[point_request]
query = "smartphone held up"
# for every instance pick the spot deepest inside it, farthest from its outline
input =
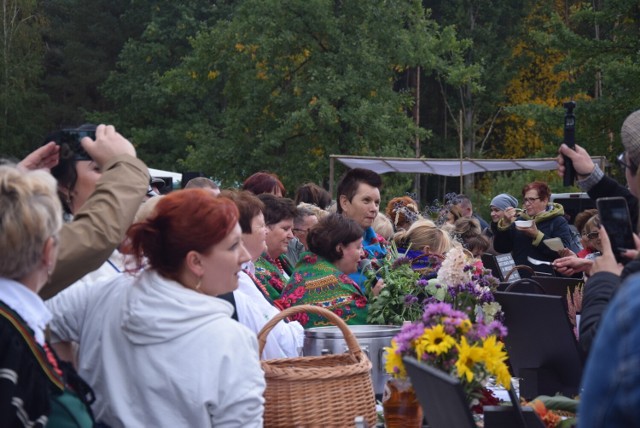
(615, 217)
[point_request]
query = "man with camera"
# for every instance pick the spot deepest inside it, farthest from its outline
(100, 222)
(606, 273)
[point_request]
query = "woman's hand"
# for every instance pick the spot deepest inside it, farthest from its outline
(107, 145)
(378, 287)
(509, 215)
(531, 231)
(631, 253)
(607, 261)
(45, 157)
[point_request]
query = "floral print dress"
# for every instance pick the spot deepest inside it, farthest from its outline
(317, 282)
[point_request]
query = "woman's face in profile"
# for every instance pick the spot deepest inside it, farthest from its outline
(88, 173)
(351, 254)
(223, 263)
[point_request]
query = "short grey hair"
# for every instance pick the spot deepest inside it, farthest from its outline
(31, 214)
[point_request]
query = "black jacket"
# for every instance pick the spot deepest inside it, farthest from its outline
(598, 292)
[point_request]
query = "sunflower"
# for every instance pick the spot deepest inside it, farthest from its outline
(393, 364)
(495, 357)
(468, 356)
(434, 341)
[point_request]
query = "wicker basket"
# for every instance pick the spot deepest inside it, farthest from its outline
(329, 390)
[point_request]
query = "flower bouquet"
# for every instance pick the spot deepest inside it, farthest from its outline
(412, 282)
(400, 299)
(447, 339)
(467, 285)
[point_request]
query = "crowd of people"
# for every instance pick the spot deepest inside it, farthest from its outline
(122, 307)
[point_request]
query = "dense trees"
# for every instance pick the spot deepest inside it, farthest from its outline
(299, 80)
(230, 87)
(21, 51)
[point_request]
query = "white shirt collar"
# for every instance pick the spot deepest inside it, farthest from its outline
(27, 304)
(249, 266)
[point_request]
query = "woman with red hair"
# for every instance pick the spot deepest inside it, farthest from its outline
(528, 241)
(264, 182)
(159, 348)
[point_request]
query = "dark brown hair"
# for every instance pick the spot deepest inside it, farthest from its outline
(351, 181)
(330, 231)
(311, 193)
(248, 204)
(277, 209)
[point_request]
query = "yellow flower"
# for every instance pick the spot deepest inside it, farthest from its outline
(503, 377)
(434, 341)
(393, 363)
(213, 74)
(495, 356)
(465, 325)
(468, 357)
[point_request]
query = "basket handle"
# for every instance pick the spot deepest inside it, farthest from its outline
(349, 337)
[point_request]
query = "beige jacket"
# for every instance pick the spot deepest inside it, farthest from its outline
(100, 225)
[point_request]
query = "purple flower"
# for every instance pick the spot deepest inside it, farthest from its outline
(434, 309)
(400, 261)
(496, 327)
(408, 333)
(410, 299)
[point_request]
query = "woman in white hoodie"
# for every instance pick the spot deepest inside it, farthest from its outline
(159, 348)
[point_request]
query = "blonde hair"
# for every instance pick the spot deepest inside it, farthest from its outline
(316, 210)
(31, 213)
(382, 226)
(424, 233)
(146, 209)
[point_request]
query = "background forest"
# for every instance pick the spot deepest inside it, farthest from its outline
(232, 87)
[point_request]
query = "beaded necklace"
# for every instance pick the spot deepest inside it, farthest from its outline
(263, 289)
(277, 263)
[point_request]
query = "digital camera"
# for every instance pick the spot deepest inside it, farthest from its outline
(71, 137)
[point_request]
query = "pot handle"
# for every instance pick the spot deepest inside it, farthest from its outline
(349, 337)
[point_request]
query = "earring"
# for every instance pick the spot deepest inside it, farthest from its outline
(198, 285)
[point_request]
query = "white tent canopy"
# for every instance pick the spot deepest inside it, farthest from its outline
(160, 173)
(447, 167)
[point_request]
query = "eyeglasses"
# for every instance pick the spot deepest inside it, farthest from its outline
(529, 200)
(300, 230)
(621, 163)
(593, 235)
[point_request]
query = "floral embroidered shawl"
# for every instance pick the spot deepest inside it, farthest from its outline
(269, 274)
(317, 282)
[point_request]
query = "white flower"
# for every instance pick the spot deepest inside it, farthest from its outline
(452, 270)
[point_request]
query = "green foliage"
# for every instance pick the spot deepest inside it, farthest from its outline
(493, 27)
(286, 83)
(602, 59)
(389, 307)
(160, 122)
(20, 71)
(83, 41)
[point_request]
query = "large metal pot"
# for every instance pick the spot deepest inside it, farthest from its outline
(371, 338)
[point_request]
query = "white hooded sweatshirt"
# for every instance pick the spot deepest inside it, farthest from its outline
(159, 354)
